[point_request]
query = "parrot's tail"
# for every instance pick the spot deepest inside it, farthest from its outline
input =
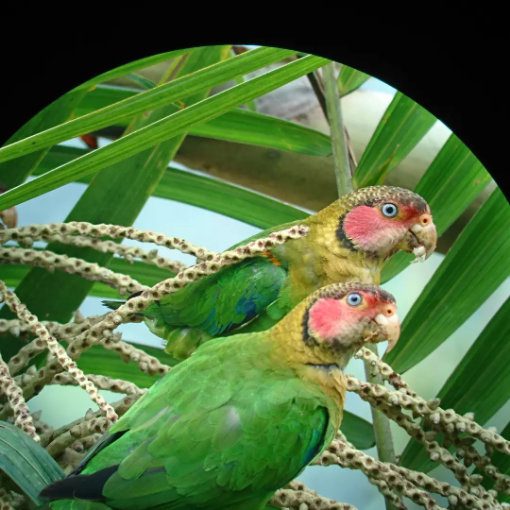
(112, 305)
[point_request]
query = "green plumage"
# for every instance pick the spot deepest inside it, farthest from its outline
(216, 435)
(69, 504)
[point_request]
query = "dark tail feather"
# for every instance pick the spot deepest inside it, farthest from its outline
(79, 486)
(112, 305)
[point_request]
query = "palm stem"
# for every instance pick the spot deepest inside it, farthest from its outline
(382, 432)
(338, 142)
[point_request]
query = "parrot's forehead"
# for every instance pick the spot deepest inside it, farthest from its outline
(374, 194)
(339, 290)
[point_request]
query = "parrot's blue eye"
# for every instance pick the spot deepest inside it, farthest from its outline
(389, 210)
(354, 299)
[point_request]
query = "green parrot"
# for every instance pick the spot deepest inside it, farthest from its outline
(241, 417)
(347, 241)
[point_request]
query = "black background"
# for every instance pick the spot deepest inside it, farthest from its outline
(454, 65)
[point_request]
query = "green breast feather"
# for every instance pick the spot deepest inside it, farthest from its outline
(212, 434)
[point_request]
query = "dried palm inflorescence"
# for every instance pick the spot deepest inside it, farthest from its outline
(69, 443)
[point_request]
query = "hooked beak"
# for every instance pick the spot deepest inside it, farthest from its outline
(421, 238)
(390, 325)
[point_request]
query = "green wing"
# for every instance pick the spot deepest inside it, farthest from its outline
(223, 300)
(207, 434)
(220, 303)
(215, 305)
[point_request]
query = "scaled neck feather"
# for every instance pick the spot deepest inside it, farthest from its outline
(320, 258)
(309, 362)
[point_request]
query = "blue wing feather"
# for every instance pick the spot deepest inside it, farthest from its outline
(223, 301)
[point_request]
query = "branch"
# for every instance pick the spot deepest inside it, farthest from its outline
(121, 407)
(428, 409)
(405, 481)
(298, 497)
(89, 270)
(103, 383)
(128, 252)
(22, 417)
(36, 346)
(103, 230)
(10, 500)
(12, 301)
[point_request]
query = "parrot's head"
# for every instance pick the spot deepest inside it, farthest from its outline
(340, 318)
(381, 220)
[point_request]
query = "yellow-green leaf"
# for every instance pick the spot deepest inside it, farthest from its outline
(115, 195)
(149, 100)
(206, 192)
(12, 172)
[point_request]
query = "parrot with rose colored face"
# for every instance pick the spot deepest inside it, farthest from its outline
(241, 417)
(347, 241)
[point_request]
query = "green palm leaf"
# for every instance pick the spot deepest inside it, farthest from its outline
(163, 129)
(450, 184)
(474, 267)
(350, 79)
(402, 126)
(480, 383)
(152, 99)
(115, 195)
(26, 462)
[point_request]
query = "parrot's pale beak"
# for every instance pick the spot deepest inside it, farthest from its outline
(391, 326)
(421, 238)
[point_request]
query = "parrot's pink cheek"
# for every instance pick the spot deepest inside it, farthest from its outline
(368, 229)
(325, 317)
